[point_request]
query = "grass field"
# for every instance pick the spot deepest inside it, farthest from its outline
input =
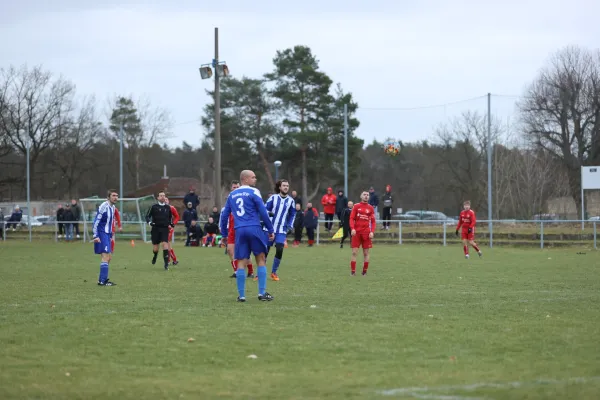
(424, 324)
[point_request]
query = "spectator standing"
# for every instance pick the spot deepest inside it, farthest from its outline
(340, 205)
(76, 211)
(193, 198)
(311, 222)
(298, 225)
(189, 215)
(216, 215)
(297, 199)
(68, 218)
(374, 200)
(328, 201)
(59, 220)
(388, 202)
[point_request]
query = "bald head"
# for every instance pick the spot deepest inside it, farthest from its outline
(248, 178)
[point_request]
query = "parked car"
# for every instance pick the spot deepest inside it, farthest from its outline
(426, 217)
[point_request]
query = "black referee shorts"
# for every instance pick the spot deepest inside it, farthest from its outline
(159, 235)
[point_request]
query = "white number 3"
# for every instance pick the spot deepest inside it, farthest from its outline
(240, 204)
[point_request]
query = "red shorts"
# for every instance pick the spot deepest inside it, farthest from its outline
(465, 235)
(361, 239)
(171, 233)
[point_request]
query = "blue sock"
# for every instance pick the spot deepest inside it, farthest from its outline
(103, 271)
(276, 262)
(261, 271)
(240, 276)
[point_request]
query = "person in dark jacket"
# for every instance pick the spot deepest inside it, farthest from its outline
(388, 203)
(59, 220)
(346, 223)
(210, 229)
(1, 224)
(373, 200)
(76, 216)
(311, 222)
(189, 215)
(216, 215)
(297, 199)
(193, 198)
(15, 218)
(195, 233)
(68, 218)
(298, 225)
(340, 205)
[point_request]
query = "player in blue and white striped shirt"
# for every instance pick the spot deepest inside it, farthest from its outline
(282, 211)
(103, 231)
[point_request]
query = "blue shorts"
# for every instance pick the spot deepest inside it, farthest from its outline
(279, 238)
(249, 239)
(104, 246)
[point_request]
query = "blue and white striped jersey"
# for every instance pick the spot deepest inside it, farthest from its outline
(283, 210)
(103, 223)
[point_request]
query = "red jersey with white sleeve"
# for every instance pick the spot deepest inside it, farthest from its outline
(116, 222)
(174, 221)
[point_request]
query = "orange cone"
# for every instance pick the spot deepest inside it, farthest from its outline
(132, 243)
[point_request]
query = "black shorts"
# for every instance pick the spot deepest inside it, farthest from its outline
(159, 235)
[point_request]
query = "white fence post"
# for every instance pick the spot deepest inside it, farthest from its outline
(399, 232)
(444, 234)
(595, 235)
(318, 231)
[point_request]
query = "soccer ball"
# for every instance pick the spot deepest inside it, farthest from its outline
(391, 148)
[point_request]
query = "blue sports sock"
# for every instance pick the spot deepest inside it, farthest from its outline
(103, 271)
(261, 271)
(276, 262)
(240, 276)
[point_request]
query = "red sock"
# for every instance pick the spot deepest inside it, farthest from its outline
(172, 254)
(234, 265)
(466, 250)
(365, 266)
(476, 247)
(353, 266)
(250, 268)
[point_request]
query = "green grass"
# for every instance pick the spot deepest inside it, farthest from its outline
(424, 318)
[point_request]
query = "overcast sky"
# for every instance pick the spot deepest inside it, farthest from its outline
(390, 55)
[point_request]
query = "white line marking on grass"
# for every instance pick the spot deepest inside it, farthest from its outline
(437, 392)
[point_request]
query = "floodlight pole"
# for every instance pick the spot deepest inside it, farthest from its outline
(217, 185)
(121, 194)
(29, 216)
(346, 150)
(489, 165)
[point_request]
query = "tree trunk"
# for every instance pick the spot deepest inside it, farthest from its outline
(304, 177)
(575, 186)
(137, 169)
(266, 166)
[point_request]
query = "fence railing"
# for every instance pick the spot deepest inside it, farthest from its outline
(538, 233)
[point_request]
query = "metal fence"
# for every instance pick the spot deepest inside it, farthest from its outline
(533, 233)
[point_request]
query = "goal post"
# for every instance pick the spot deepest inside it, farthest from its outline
(590, 180)
(132, 212)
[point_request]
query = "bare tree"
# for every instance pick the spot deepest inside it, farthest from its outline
(74, 143)
(33, 106)
(464, 154)
(561, 112)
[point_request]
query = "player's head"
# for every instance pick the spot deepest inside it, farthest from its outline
(112, 196)
(235, 184)
(282, 187)
(350, 204)
(248, 178)
(467, 205)
(161, 196)
(364, 197)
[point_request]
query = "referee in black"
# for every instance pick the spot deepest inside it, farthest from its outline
(160, 219)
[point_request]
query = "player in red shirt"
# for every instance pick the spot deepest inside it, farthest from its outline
(231, 241)
(362, 229)
(116, 222)
(174, 220)
(467, 221)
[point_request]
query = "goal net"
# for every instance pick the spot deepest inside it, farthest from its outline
(132, 212)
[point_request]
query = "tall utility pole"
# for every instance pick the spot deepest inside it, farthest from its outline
(489, 160)
(29, 214)
(121, 194)
(346, 150)
(217, 185)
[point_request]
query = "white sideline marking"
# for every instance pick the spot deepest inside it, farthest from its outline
(429, 392)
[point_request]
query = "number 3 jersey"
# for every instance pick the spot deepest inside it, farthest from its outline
(248, 209)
